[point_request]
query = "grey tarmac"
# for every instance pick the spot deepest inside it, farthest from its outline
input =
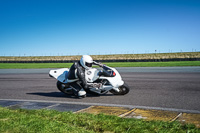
(175, 88)
(120, 69)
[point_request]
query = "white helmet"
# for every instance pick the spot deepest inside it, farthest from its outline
(86, 61)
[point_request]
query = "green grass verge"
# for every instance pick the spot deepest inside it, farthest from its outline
(111, 64)
(33, 65)
(154, 64)
(47, 121)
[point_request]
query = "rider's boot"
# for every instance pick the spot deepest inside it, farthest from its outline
(82, 93)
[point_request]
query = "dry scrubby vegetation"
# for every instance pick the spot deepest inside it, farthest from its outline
(104, 57)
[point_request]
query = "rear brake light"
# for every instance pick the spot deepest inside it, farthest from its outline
(114, 73)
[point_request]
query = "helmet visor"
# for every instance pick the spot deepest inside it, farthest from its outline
(88, 64)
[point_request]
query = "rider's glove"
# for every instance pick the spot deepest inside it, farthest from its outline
(98, 63)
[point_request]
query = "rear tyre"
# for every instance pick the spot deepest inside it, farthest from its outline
(124, 89)
(63, 88)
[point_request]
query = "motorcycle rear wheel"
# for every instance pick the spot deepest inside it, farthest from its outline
(62, 87)
(124, 89)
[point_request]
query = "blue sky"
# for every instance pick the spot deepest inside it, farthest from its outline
(71, 27)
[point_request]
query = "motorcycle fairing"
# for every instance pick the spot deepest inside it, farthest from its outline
(91, 75)
(116, 81)
(60, 75)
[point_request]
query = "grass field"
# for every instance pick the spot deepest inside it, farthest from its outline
(48, 121)
(111, 64)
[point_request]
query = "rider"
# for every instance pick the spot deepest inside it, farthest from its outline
(77, 70)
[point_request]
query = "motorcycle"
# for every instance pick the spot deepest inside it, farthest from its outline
(102, 81)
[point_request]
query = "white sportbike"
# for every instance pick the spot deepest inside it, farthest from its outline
(102, 81)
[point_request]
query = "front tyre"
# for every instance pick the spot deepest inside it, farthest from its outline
(63, 88)
(124, 89)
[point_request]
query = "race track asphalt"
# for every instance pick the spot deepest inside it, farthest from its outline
(169, 87)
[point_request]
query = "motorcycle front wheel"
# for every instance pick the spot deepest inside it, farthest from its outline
(63, 88)
(124, 89)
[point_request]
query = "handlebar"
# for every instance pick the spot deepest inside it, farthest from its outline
(98, 64)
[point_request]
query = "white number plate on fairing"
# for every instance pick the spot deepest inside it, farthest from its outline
(91, 75)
